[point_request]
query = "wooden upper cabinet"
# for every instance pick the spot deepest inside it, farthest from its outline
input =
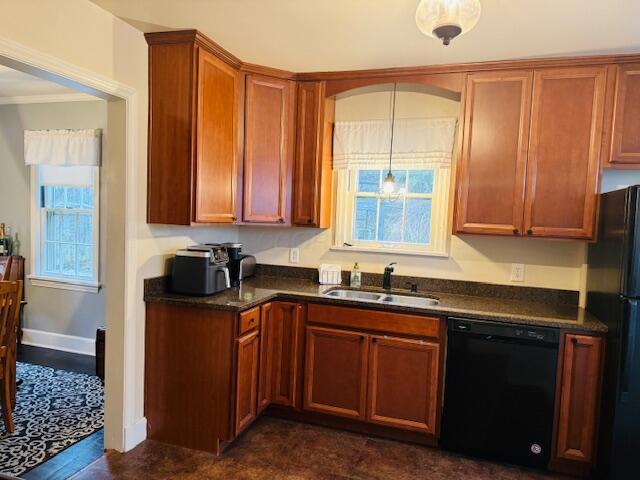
(193, 131)
(493, 164)
(336, 372)
(313, 162)
(403, 383)
(284, 321)
(217, 148)
(579, 385)
(268, 149)
(625, 146)
(564, 152)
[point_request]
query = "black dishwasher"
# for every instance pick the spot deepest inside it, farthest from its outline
(500, 391)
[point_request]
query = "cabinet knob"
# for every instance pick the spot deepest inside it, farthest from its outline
(374, 340)
(362, 338)
(280, 220)
(529, 232)
(516, 231)
(309, 220)
(574, 340)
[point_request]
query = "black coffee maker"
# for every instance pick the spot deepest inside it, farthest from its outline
(241, 266)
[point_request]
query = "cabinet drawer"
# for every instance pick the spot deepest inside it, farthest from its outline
(362, 319)
(249, 320)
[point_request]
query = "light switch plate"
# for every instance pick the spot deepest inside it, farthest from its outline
(294, 255)
(517, 272)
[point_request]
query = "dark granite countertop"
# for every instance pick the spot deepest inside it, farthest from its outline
(261, 289)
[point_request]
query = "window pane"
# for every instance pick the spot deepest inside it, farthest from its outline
(51, 264)
(67, 259)
(68, 227)
(368, 181)
(51, 226)
(390, 227)
(59, 197)
(85, 228)
(74, 197)
(48, 196)
(85, 261)
(364, 223)
(87, 198)
(421, 181)
(417, 227)
(401, 178)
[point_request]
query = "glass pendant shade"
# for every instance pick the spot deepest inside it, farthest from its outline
(447, 19)
(389, 184)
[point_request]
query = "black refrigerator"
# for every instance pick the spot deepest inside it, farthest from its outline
(613, 295)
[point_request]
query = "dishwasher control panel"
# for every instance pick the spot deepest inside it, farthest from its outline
(504, 330)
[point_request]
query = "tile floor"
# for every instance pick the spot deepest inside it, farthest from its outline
(277, 449)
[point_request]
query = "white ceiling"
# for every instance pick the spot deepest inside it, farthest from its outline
(317, 35)
(15, 84)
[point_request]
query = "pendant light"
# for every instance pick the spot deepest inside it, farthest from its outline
(389, 188)
(447, 19)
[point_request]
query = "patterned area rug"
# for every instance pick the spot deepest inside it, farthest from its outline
(54, 410)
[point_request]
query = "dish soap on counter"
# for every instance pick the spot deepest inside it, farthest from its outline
(356, 276)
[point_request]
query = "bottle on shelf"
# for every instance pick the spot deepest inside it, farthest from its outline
(5, 241)
(15, 247)
(356, 276)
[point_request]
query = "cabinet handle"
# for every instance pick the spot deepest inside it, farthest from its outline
(516, 231)
(280, 220)
(234, 218)
(374, 340)
(362, 338)
(310, 220)
(529, 232)
(574, 340)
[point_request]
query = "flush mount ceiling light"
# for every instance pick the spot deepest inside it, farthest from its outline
(447, 19)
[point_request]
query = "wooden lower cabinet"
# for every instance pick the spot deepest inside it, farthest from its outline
(247, 380)
(336, 372)
(265, 372)
(284, 320)
(403, 383)
(579, 385)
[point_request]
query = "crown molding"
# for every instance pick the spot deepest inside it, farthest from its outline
(52, 98)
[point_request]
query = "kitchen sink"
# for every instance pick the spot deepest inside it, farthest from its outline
(355, 295)
(420, 302)
(383, 298)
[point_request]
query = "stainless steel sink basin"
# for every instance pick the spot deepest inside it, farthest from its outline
(420, 302)
(354, 295)
(382, 298)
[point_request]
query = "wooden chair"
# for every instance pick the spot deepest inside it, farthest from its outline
(10, 295)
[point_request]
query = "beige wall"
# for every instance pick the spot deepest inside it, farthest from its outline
(48, 309)
(552, 264)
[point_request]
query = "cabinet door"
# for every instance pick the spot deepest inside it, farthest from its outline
(313, 170)
(579, 384)
(564, 152)
(217, 149)
(625, 148)
(269, 149)
(266, 359)
(403, 383)
(284, 318)
(247, 380)
(494, 154)
(336, 372)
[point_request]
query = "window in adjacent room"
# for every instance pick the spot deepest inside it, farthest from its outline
(65, 226)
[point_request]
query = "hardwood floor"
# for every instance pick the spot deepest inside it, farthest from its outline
(275, 449)
(72, 362)
(78, 456)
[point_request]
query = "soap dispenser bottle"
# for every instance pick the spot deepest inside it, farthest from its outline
(356, 276)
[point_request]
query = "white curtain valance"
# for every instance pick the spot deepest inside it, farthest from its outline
(66, 148)
(417, 142)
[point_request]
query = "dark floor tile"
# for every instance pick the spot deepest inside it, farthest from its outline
(276, 449)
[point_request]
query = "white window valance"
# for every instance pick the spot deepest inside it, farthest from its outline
(66, 148)
(417, 142)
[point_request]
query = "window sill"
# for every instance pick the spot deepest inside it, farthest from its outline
(395, 251)
(64, 284)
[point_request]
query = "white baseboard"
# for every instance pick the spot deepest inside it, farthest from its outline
(57, 341)
(135, 434)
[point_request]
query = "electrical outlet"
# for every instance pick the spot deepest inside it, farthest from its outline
(294, 255)
(517, 272)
